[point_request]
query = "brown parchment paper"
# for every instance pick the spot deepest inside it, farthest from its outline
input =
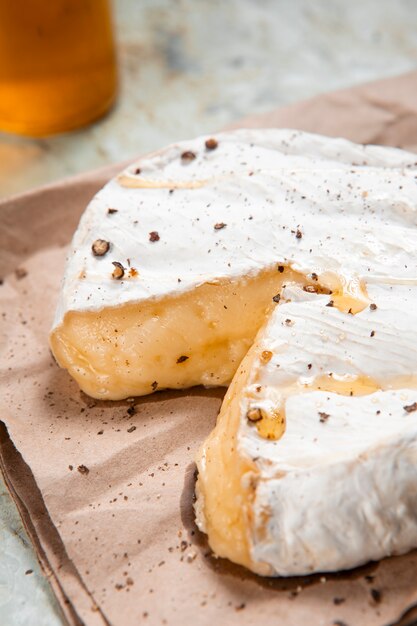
(106, 495)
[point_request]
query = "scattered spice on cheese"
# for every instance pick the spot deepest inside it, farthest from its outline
(211, 144)
(100, 247)
(119, 270)
(154, 236)
(254, 415)
(188, 156)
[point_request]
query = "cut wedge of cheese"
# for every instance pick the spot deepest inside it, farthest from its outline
(289, 262)
(312, 465)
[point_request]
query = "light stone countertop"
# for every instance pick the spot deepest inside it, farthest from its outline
(189, 67)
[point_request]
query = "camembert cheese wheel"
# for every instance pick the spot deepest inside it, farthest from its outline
(288, 262)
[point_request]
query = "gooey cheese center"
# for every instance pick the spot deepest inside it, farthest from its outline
(178, 342)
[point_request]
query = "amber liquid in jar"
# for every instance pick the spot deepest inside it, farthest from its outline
(57, 64)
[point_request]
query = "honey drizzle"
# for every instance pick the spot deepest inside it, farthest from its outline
(142, 183)
(272, 424)
(351, 297)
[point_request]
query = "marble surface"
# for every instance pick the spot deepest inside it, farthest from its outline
(189, 67)
(25, 595)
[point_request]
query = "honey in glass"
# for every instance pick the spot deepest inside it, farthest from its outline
(57, 64)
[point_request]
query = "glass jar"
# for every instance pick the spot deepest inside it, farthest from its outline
(57, 64)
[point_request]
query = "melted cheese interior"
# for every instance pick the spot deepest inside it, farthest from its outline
(197, 337)
(180, 341)
(224, 512)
